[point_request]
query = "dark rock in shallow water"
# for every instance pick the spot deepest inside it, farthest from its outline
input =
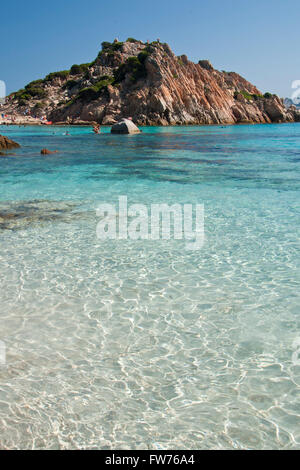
(6, 143)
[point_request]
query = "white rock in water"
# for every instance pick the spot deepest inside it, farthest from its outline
(125, 126)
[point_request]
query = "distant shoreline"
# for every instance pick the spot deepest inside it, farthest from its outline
(66, 124)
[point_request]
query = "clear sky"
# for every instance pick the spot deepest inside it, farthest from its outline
(257, 38)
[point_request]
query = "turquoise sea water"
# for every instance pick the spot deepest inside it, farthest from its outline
(139, 344)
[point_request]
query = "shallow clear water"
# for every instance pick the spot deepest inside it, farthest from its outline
(145, 345)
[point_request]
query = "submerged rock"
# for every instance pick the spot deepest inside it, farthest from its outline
(125, 126)
(6, 143)
(20, 215)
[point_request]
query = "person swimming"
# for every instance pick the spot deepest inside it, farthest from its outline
(96, 129)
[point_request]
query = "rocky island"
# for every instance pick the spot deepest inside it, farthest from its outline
(7, 144)
(150, 84)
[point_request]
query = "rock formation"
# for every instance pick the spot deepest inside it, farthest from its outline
(149, 83)
(125, 126)
(6, 144)
(48, 152)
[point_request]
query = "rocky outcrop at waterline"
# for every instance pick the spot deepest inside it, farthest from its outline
(125, 126)
(7, 144)
(153, 86)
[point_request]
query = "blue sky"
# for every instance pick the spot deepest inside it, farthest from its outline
(258, 39)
